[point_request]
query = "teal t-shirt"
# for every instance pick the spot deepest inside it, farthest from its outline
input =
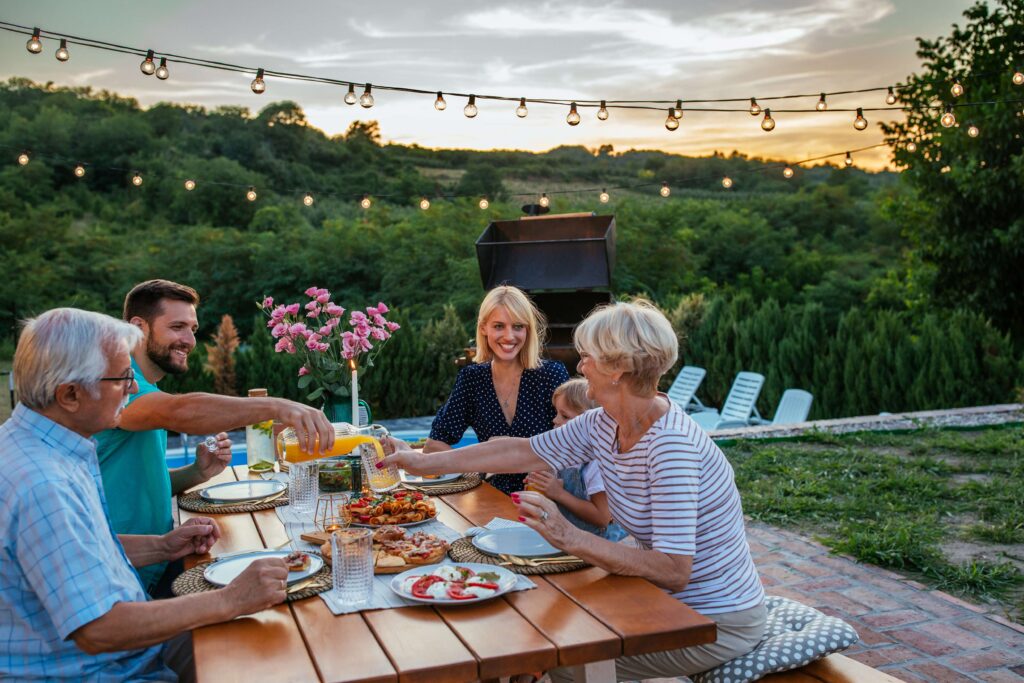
(136, 481)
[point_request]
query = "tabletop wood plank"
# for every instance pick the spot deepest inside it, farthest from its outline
(421, 646)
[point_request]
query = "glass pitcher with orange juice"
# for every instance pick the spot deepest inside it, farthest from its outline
(348, 438)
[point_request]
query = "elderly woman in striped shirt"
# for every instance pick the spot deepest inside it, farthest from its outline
(668, 485)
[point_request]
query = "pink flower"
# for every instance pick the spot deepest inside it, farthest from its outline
(334, 310)
(379, 334)
(357, 317)
(267, 302)
(278, 313)
(322, 346)
(333, 322)
(284, 344)
(303, 371)
(299, 329)
(372, 311)
(324, 331)
(313, 344)
(362, 330)
(292, 309)
(280, 329)
(379, 320)
(311, 292)
(393, 326)
(382, 307)
(323, 296)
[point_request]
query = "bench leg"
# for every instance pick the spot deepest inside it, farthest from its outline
(594, 672)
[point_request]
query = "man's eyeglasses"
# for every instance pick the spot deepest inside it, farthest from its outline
(127, 377)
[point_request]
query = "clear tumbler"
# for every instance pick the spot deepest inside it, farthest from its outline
(303, 486)
(352, 560)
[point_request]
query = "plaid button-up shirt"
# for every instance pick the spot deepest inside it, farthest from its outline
(61, 565)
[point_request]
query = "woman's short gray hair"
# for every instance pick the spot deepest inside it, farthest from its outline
(66, 345)
(634, 338)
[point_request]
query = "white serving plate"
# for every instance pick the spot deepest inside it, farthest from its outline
(423, 481)
(506, 582)
(521, 541)
(242, 491)
(224, 571)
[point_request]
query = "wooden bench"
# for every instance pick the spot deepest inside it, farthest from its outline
(833, 669)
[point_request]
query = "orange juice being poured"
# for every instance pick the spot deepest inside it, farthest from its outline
(348, 438)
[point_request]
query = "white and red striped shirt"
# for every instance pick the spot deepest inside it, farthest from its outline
(674, 491)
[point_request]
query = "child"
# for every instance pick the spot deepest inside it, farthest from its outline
(578, 491)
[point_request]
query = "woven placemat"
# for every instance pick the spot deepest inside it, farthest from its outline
(463, 550)
(193, 503)
(469, 481)
(193, 581)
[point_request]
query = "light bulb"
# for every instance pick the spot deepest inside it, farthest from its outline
(544, 201)
(957, 90)
(787, 172)
(973, 131)
(365, 202)
(948, 119)
(147, 66)
(521, 110)
(484, 203)
(848, 160)
(602, 112)
(34, 45)
(573, 119)
(424, 203)
(890, 97)
(470, 109)
(308, 199)
(665, 191)
(137, 179)
(161, 71)
(258, 85)
(860, 123)
(755, 108)
(251, 194)
(62, 53)
(671, 122)
(350, 96)
(677, 111)
(822, 105)
(911, 146)
(439, 103)
(79, 171)
(1018, 78)
(604, 197)
(767, 123)
(23, 158)
(366, 99)
(190, 184)
(727, 182)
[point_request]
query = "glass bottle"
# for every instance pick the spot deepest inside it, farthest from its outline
(259, 438)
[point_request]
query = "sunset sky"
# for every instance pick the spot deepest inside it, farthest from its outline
(643, 49)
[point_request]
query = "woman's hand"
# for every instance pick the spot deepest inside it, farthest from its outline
(547, 483)
(405, 458)
(540, 513)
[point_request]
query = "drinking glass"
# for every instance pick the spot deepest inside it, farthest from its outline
(352, 570)
(303, 487)
(385, 478)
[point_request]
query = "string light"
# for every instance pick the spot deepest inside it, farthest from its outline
(34, 45)
(755, 108)
(62, 53)
(544, 201)
(848, 160)
(822, 105)
(23, 159)
(190, 185)
(890, 96)
(573, 119)
(365, 202)
(1018, 77)
(137, 179)
(484, 204)
(470, 109)
(258, 85)
(308, 199)
(957, 88)
(727, 182)
(251, 194)
(973, 131)
(665, 191)
(671, 122)
(602, 112)
(768, 123)
(911, 146)
(424, 203)
(147, 66)
(677, 111)
(521, 110)
(948, 119)
(161, 71)
(860, 123)
(79, 171)
(366, 99)
(350, 96)
(604, 196)
(787, 173)
(439, 103)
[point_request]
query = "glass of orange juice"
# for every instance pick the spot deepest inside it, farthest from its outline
(383, 478)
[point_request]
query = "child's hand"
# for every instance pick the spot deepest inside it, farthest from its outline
(545, 482)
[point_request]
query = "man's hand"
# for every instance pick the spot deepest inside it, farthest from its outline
(262, 585)
(211, 463)
(310, 424)
(196, 536)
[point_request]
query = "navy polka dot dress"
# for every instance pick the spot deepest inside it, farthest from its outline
(474, 403)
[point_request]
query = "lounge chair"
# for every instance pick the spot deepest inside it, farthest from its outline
(740, 409)
(683, 391)
(794, 406)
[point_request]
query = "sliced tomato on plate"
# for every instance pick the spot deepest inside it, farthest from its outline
(419, 589)
(457, 591)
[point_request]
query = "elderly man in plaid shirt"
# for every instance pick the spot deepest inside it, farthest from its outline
(71, 602)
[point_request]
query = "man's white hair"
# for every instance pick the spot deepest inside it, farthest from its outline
(66, 345)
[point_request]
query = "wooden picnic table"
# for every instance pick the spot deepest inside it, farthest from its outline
(581, 619)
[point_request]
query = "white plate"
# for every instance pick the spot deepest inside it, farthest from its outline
(241, 491)
(223, 572)
(506, 582)
(423, 481)
(521, 541)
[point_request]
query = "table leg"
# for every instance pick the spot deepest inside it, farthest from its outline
(594, 672)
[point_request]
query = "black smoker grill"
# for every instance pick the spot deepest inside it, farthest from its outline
(564, 261)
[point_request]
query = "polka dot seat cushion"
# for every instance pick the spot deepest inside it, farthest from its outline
(795, 635)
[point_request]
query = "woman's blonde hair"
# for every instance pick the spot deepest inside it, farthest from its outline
(574, 393)
(634, 338)
(522, 310)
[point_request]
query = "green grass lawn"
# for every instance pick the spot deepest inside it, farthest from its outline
(944, 506)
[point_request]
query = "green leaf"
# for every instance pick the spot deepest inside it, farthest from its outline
(315, 394)
(304, 381)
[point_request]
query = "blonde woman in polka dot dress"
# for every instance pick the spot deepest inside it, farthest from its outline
(507, 390)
